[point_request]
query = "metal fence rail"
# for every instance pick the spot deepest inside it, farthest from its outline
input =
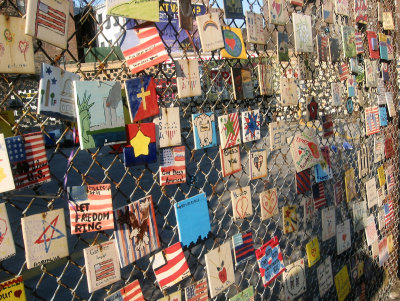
(65, 279)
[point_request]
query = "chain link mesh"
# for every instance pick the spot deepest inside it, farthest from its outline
(66, 280)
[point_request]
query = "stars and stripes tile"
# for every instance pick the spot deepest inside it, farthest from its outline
(303, 182)
(319, 195)
(390, 182)
(50, 18)
(15, 149)
(343, 70)
(229, 130)
(34, 169)
(389, 212)
(243, 246)
(142, 47)
(372, 120)
(173, 166)
(359, 43)
(197, 291)
(175, 268)
(131, 292)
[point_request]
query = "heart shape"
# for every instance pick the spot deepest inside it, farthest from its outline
(231, 43)
(269, 201)
(18, 293)
(344, 236)
(241, 206)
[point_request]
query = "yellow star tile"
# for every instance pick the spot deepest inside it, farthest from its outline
(140, 144)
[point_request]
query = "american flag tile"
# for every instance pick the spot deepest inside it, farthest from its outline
(197, 291)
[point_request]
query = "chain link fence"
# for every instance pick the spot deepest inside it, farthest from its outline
(65, 279)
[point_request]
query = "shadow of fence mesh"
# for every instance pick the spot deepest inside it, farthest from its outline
(65, 279)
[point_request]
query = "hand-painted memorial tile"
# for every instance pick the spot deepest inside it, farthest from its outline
(229, 130)
(303, 38)
(141, 148)
(342, 283)
(338, 192)
(142, 47)
(268, 203)
(13, 289)
(372, 124)
(322, 47)
(242, 83)
(372, 194)
(277, 134)
(360, 214)
(342, 7)
(283, 46)
(319, 195)
(309, 209)
(387, 21)
(234, 47)
(45, 237)
(290, 220)
(343, 71)
(99, 111)
(336, 90)
(389, 148)
(132, 291)
(187, 78)
(383, 251)
(258, 164)
(255, 28)
(305, 150)
(334, 50)
(16, 48)
(204, 132)
(210, 32)
(168, 127)
(327, 11)
(270, 261)
(312, 109)
(327, 125)
(313, 253)
(243, 246)
(381, 175)
(361, 11)
(390, 104)
(192, 219)
(295, 280)
(241, 203)
(90, 208)
(323, 170)
(251, 123)
(56, 93)
(141, 98)
(325, 278)
(370, 230)
(265, 79)
(197, 291)
(102, 268)
(390, 178)
(136, 232)
(373, 45)
(350, 184)
(289, 92)
(233, 9)
(385, 72)
(343, 236)
(7, 247)
(185, 14)
(34, 169)
(173, 166)
(328, 223)
(220, 271)
(359, 42)
(278, 12)
(170, 266)
(230, 160)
